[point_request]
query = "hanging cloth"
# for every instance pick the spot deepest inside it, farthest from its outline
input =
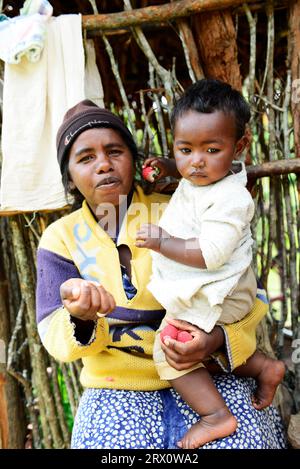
(35, 99)
(24, 34)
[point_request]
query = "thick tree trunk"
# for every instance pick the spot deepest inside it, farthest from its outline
(216, 39)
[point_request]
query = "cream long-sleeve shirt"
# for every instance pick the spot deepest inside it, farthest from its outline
(219, 215)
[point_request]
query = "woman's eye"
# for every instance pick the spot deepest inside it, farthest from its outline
(114, 152)
(86, 158)
(213, 150)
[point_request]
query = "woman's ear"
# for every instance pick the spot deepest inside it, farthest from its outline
(71, 185)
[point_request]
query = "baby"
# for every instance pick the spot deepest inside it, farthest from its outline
(202, 249)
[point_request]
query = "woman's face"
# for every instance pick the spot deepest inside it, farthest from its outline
(101, 167)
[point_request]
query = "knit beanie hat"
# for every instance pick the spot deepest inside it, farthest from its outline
(83, 116)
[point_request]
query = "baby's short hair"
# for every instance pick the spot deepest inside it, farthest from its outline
(209, 95)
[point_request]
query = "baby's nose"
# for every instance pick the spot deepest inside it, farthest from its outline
(198, 161)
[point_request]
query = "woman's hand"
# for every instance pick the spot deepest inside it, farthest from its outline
(150, 236)
(86, 300)
(182, 356)
(166, 167)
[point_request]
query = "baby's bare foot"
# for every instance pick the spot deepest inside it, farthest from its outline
(268, 379)
(209, 428)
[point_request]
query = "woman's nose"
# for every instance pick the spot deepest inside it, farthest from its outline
(103, 163)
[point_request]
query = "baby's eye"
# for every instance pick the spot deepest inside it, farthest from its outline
(185, 150)
(213, 150)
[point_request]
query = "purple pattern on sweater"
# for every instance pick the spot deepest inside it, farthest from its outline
(52, 271)
(138, 315)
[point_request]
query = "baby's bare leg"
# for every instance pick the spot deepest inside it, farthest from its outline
(268, 373)
(198, 390)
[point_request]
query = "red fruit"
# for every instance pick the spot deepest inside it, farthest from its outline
(169, 331)
(184, 336)
(149, 173)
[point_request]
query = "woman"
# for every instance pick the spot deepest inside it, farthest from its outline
(92, 303)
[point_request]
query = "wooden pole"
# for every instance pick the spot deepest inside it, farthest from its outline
(294, 38)
(273, 168)
(155, 14)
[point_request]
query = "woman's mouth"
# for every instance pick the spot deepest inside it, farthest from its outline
(108, 182)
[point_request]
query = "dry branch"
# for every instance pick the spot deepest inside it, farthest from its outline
(273, 168)
(155, 14)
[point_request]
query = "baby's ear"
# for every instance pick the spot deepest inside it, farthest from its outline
(243, 144)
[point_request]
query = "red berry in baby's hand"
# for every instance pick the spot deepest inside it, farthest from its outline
(168, 331)
(184, 336)
(150, 173)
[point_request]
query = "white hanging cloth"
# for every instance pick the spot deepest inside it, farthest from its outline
(35, 99)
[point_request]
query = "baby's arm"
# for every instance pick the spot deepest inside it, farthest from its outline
(184, 251)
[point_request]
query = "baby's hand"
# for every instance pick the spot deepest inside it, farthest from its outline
(86, 300)
(150, 236)
(161, 167)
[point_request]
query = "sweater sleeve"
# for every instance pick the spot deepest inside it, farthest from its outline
(57, 333)
(224, 224)
(66, 339)
(240, 337)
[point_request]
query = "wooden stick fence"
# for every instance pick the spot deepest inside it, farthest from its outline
(52, 390)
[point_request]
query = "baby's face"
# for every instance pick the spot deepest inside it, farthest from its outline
(205, 145)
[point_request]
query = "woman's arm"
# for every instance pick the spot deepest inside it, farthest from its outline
(236, 342)
(66, 337)
(185, 355)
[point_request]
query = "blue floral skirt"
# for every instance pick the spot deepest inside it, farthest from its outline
(118, 419)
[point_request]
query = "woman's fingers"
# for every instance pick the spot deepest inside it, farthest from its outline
(175, 359)
(95, 298)
(181, 351)
(170, 348)
(111, 302)
(67, 292)
(107, 302)
(70, 290)
(84, 301)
